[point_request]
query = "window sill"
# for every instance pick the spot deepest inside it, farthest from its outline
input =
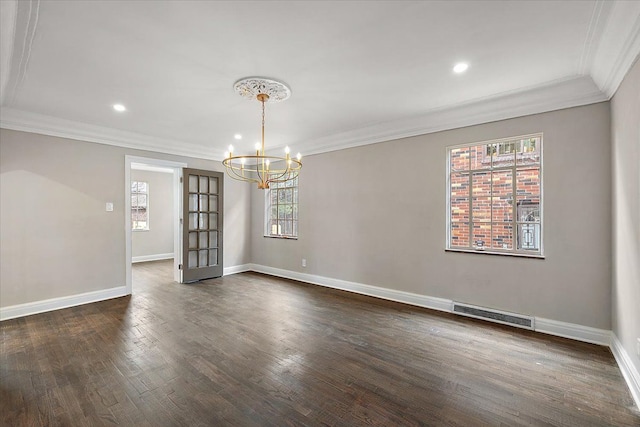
(281, 237)
(514, 254)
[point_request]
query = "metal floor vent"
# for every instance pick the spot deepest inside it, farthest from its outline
(491, 315)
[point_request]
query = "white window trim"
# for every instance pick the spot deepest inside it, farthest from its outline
(492, 251)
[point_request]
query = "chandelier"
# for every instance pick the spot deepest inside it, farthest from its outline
(261, 168)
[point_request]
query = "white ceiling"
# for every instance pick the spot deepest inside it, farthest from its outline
(360, 72)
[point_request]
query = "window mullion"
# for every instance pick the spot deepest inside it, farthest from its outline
(493, 154)
(470, 210)
(491, 207)
(514, 205)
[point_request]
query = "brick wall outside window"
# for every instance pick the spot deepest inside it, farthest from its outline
(495, 196)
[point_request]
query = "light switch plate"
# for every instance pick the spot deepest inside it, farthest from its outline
(109, 207)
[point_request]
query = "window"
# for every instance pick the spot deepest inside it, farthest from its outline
(139, 205)
(495, 196)
(281, 209)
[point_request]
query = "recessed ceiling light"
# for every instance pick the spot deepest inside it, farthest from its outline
(119, 107)
(237, 136)
(460, 67)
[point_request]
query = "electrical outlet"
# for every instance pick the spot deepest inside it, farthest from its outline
(109, 207)
(304, 262)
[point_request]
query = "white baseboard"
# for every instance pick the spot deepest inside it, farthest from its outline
(21, 310)
(547, 326)
(236, 269)
(628, 369)
(27, 309)
(573, 331)
(359, 288)
(154, 257)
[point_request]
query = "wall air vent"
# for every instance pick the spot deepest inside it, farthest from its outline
(496, 316)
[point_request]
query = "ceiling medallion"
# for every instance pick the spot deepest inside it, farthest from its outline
(261, 168)
(251, 87)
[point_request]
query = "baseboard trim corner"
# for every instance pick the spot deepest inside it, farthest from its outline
(234, 269)
(27, 309)
(628, 369)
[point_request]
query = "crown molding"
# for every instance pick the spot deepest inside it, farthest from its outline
(618, 47)
(53, 126)
(611, 45)
(543, 98)
(21, 34)
(538, 99)
(597, 25)
(8, 18)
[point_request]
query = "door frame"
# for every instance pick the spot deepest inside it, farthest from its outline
(177, 212)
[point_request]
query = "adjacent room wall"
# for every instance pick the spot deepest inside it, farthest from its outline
(57, 238)
(156, 242)
(625, 145)
(376, 215)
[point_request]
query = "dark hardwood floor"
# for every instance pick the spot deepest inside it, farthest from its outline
(253, 350)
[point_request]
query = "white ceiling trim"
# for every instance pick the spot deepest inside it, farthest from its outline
(8, 17)
(611, 45)
(619, 46)
(53, 126)
(25, 25)
(549, 97)
(599, 19)
(558, 95)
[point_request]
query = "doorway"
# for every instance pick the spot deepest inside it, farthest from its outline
(168, 167)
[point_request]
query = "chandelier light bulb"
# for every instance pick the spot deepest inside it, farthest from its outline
(299, 156)
(258, 146)
(226, 155)
(286, 149)
(243, 160)
(231, 148)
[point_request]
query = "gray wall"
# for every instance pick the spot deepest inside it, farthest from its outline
(625, 143)
(376, 215)
(360, 221)
(158, 239)
(57, 238)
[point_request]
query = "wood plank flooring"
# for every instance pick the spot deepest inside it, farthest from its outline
(253, 350)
